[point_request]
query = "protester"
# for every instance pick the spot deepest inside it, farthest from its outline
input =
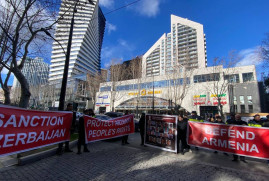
(142, 127)
(124, 139)
(81, 133)
(196, 118)
(182, 134)
(91, 113)
(212, 120)
(219, 120)
(231, 120)
(258, 122)
(238, 121)
(59, 151)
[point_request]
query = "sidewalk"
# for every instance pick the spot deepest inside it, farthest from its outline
(109, 160)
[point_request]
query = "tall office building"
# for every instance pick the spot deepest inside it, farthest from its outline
(185, 45)
(36, 72)
(87, 39)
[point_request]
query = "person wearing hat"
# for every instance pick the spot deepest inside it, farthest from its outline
(195, 117)
(256, 122)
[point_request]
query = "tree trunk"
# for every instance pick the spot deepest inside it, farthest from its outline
(7, 96)
(25, 90)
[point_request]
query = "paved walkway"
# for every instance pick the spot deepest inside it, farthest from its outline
(111, 161)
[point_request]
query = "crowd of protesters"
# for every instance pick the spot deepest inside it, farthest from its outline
(235, 119)
(182, 146)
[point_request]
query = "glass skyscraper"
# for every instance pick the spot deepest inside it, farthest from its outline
(87, 39)
(36, 72)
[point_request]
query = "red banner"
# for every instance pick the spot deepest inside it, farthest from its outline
(23, 130)
(96, 129)
(241, 140)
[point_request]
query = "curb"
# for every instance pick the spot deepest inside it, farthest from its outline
(41, 155)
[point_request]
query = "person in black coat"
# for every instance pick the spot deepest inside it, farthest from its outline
(142, 127)
(182, 134)
(238, 121)
(81, 133)
(59, 151)
(124, 139)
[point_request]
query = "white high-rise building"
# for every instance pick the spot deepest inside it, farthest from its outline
(185, 45)
(87, 39)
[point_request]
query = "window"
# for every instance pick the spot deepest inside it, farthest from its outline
(135, 86)
(232, 78)
(103, 89)
(206, 77)
(242, 101)
(235, 108)
(250, 108)
(235, 101)
(249, 99)
(248, 77)
(243, 110)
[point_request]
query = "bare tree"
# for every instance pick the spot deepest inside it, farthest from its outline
(222, 77)
(23, 24)
(116, 76)
(178, 79)
(93, 85)
(265, 48)
(135, 72)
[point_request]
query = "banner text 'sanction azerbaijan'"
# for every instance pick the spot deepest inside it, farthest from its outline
(96, 129)
(23, 130)
(241, 140)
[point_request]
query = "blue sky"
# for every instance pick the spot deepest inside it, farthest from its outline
(229, 25)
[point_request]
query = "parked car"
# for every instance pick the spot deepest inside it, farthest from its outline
(114, 114)
(102, 117)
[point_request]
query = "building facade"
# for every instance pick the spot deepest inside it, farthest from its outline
(184, 45)
(87, 39)
(36, 72)
(202, 90)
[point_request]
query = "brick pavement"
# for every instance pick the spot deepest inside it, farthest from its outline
(111, 161)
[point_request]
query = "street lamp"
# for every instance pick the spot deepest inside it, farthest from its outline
(66, 66)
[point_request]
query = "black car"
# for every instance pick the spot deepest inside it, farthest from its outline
(114, 114)
(102, 117)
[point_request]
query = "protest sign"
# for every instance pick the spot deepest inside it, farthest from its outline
(240, 140)
(23, 130)
(96, 129)
(161, 132)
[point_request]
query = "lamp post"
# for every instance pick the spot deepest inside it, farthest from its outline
(66, 66)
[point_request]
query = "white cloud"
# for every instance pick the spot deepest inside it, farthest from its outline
(251, 56)
(107, 3)
(122, 50)
(111, 27)
(149, 8)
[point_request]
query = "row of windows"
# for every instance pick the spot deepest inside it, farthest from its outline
(148, 85)
(234, 78)
(242, 100)
(206, 78)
